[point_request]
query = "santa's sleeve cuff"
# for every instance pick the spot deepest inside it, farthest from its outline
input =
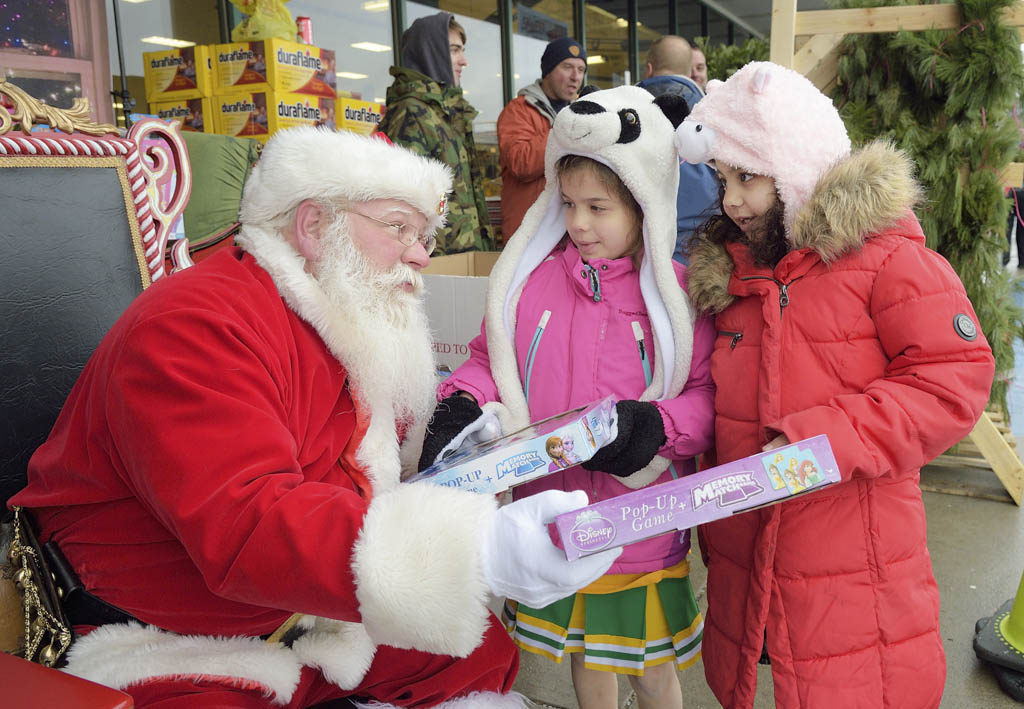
(417, 569)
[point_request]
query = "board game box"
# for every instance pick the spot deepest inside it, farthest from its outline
(539, 449)
(728, 489)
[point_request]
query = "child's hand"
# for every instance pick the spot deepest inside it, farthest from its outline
(778, 442)
(451, 416)
(641, 434)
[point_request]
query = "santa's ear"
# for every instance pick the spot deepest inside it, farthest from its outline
(674, 107)
(309, 225)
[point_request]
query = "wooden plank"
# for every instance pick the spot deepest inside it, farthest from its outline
(876, 19)
(818, 59)
(783, 21)
(1012, 175)
(1004, 461)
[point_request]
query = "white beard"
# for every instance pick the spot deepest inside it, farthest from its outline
(390, 362)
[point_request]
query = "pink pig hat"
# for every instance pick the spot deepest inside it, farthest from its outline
(767, 120)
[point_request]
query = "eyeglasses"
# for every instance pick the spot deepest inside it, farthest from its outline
(404, 233)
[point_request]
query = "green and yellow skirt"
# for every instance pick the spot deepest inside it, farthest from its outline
(621, 623)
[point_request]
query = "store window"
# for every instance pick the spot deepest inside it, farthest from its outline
(55, 52)
(607, 45)
(652, 23)
(359, 32)
(533, 28)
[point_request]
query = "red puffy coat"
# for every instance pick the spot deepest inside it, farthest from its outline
(863, 334)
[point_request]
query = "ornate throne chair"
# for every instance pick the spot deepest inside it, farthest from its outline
(84, 222)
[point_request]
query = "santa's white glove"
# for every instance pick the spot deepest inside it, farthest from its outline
(519, 560)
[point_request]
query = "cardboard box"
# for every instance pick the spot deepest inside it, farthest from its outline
(528, 454)
(358, 116)
(174, 74)
(193, 114)
(260, 114)
(274, 65)
(456, 288)
(755, 481)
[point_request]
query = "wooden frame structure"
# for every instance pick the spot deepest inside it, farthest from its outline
(809, 43)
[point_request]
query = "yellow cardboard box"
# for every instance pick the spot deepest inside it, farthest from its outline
(358, 116)
(174, 74)
(259, 114)
(194, 114)
(274, 65)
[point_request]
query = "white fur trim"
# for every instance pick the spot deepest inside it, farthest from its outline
(476, 700)
(342, 651)
(125, 654)
(310, 163)
(649, 168)
(417, 569)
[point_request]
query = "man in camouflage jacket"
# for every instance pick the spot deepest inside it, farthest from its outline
(427, 113)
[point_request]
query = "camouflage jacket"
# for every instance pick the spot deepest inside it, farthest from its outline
(438, 122)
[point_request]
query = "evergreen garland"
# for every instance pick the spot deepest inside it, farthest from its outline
(724, 59)
(947, 98)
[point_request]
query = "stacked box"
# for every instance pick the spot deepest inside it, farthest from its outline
(194, 114)
(756, 481)
(259, 114)
(358, 116)
(176, 74)
(274, 65)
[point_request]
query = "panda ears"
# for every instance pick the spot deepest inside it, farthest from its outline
(674, 107)
(588, 89)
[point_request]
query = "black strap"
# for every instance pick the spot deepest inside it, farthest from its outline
(82, 607)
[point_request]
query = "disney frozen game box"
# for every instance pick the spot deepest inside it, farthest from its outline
(539, 449)
(756, 481)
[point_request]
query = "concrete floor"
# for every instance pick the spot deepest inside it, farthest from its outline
(977, 547)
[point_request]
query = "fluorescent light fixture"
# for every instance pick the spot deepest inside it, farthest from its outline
(376, 5)
(371, 47)
(378, 99)
(619, 22)
(349, 75)
(136, 1)
(595, 59)
(167, 41)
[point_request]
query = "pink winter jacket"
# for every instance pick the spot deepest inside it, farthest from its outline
(587, 351)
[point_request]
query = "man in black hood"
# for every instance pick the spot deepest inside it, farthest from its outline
(427, 113)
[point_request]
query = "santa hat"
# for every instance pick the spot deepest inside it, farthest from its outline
(630, 131)
(767, 120)
(315, 163)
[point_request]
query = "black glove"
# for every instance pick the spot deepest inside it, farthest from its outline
(641, 434)
(451, 416)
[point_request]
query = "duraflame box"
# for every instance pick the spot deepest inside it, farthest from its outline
(192, 114)
(358, 116)
(260, 114)
(732, 488)
(274, 65)
(175, 74)
(540, 449)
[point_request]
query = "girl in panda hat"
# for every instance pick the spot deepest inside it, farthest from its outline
(833, 318)
(586, 302)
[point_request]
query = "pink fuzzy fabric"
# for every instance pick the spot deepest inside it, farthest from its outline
(769, 120)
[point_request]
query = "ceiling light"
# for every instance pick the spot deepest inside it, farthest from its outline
(619, 22)
(378, 99)
(372, 47)
(349, 75)
(376, 5)
(595, 59)
(136, 1)
(167, 41)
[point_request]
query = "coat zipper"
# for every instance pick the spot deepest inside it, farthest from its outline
(735, 337)
(783, 289)
(638, 335)
(595, 282)
(532, 352)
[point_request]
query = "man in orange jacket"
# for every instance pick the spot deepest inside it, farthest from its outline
(525, 122)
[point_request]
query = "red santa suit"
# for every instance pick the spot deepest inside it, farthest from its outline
(212, 473)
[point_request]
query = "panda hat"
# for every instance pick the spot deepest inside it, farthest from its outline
(630, 131)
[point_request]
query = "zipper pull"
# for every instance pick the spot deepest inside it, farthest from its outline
(783, 295)
(735, 340)
(638, 335)
(595, 283)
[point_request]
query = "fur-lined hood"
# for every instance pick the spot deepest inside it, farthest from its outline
(856, 198)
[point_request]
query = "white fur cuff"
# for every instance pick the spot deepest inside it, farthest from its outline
(417, 569)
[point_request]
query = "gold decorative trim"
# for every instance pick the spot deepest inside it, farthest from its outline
(28, 111)
(118, 163)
